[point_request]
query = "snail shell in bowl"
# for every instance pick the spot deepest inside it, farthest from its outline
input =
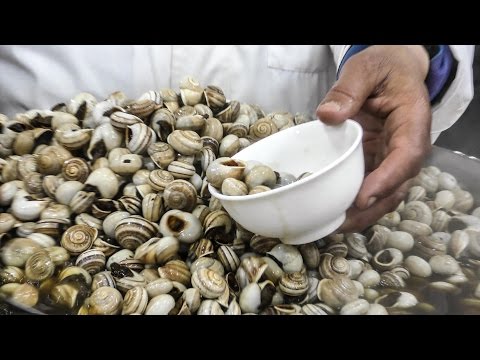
(78, 238)
(223, 168)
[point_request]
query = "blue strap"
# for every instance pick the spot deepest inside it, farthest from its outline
(438, 74)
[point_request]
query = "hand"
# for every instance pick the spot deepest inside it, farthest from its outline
(382, 87)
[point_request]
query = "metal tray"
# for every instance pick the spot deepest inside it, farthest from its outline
(465, 168)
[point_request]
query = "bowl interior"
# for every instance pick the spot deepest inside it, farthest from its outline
(313, 147)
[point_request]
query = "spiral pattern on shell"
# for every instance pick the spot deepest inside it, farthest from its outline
(39, 266)
(105, 301)
(135, 301)
(262, 128)
(176, 270)
(91, 260)
(180, 195)
(331, 266)
(294, 284)
(210, 284)
(133, 231)
(78, 238)
(75, 169)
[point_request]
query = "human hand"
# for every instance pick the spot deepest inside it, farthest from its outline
(383, 88)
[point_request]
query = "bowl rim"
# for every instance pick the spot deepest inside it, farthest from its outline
(305, 180)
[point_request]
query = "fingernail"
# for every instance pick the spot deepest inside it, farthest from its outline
(371, 201)
(330, 106)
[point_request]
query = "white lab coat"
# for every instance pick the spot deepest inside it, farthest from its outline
(294, 78)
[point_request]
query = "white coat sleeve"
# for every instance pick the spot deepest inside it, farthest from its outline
(455, 100)
(459, 94)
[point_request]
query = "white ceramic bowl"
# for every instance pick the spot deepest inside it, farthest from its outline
(315, 206)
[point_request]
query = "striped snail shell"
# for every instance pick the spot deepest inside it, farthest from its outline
(210, 284)
(75, 169)
(133, 231)
(78, 238)
(39, 266)
(135, 301)
(92, 260)
(105, 301)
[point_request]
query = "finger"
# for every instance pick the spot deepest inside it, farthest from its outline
(354, 85)
(358, 220)
(408, 142)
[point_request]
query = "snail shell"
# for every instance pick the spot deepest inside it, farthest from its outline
(223, 168)
(356, 245)
(250, 298)
(418, 211)
(331, 266)
(180, 195)
(233, 308)
(15, 252)
(262, 244)
(82, 201)
(72, 137)
(357, 307)
(229, 113)
(78, 238)
(182, 225)
(400, 240)
(105, 181)
(135, 301)
(313, 309)
(159, 179)
(337, 292)
(337, 249)
(387, 259)
(176, 270)
(234, 187)
(162, 154)
(157, 250)
(163, 123)
(207, 263)
(133, 231)
(213, 128)
(369, 278)
(427, 181)
(444, 265)
(138, 137)
(416, 193)
(218, 221)
(105, 301)
(428, 246)
(11, 274)
(415, 228)
(390, 220)
(440, 220)
(160, 305)
(397, 299)
(444, 199)
(158, 287)
(132, 204)
(260, 175)
(262, 128)
(51, 227)
(214, 97)
(181, 170)
(39, 266)
(121, 120)
(152, 207)
(200, 248)
(129, 282)
(103, 278)
(210, 284)
(141, 107)
(391, 280)
(464, 201)
(229, 259)
(459, 243)
(186, 142)
(25, 294)
(293, 284)
(288, 256)
(92, 260)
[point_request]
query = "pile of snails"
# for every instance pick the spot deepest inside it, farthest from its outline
(105, 209)
(238, 178)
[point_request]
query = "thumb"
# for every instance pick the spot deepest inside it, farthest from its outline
(346, 97)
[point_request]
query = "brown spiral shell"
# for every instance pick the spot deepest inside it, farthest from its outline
(75, 169)
(78, 238)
